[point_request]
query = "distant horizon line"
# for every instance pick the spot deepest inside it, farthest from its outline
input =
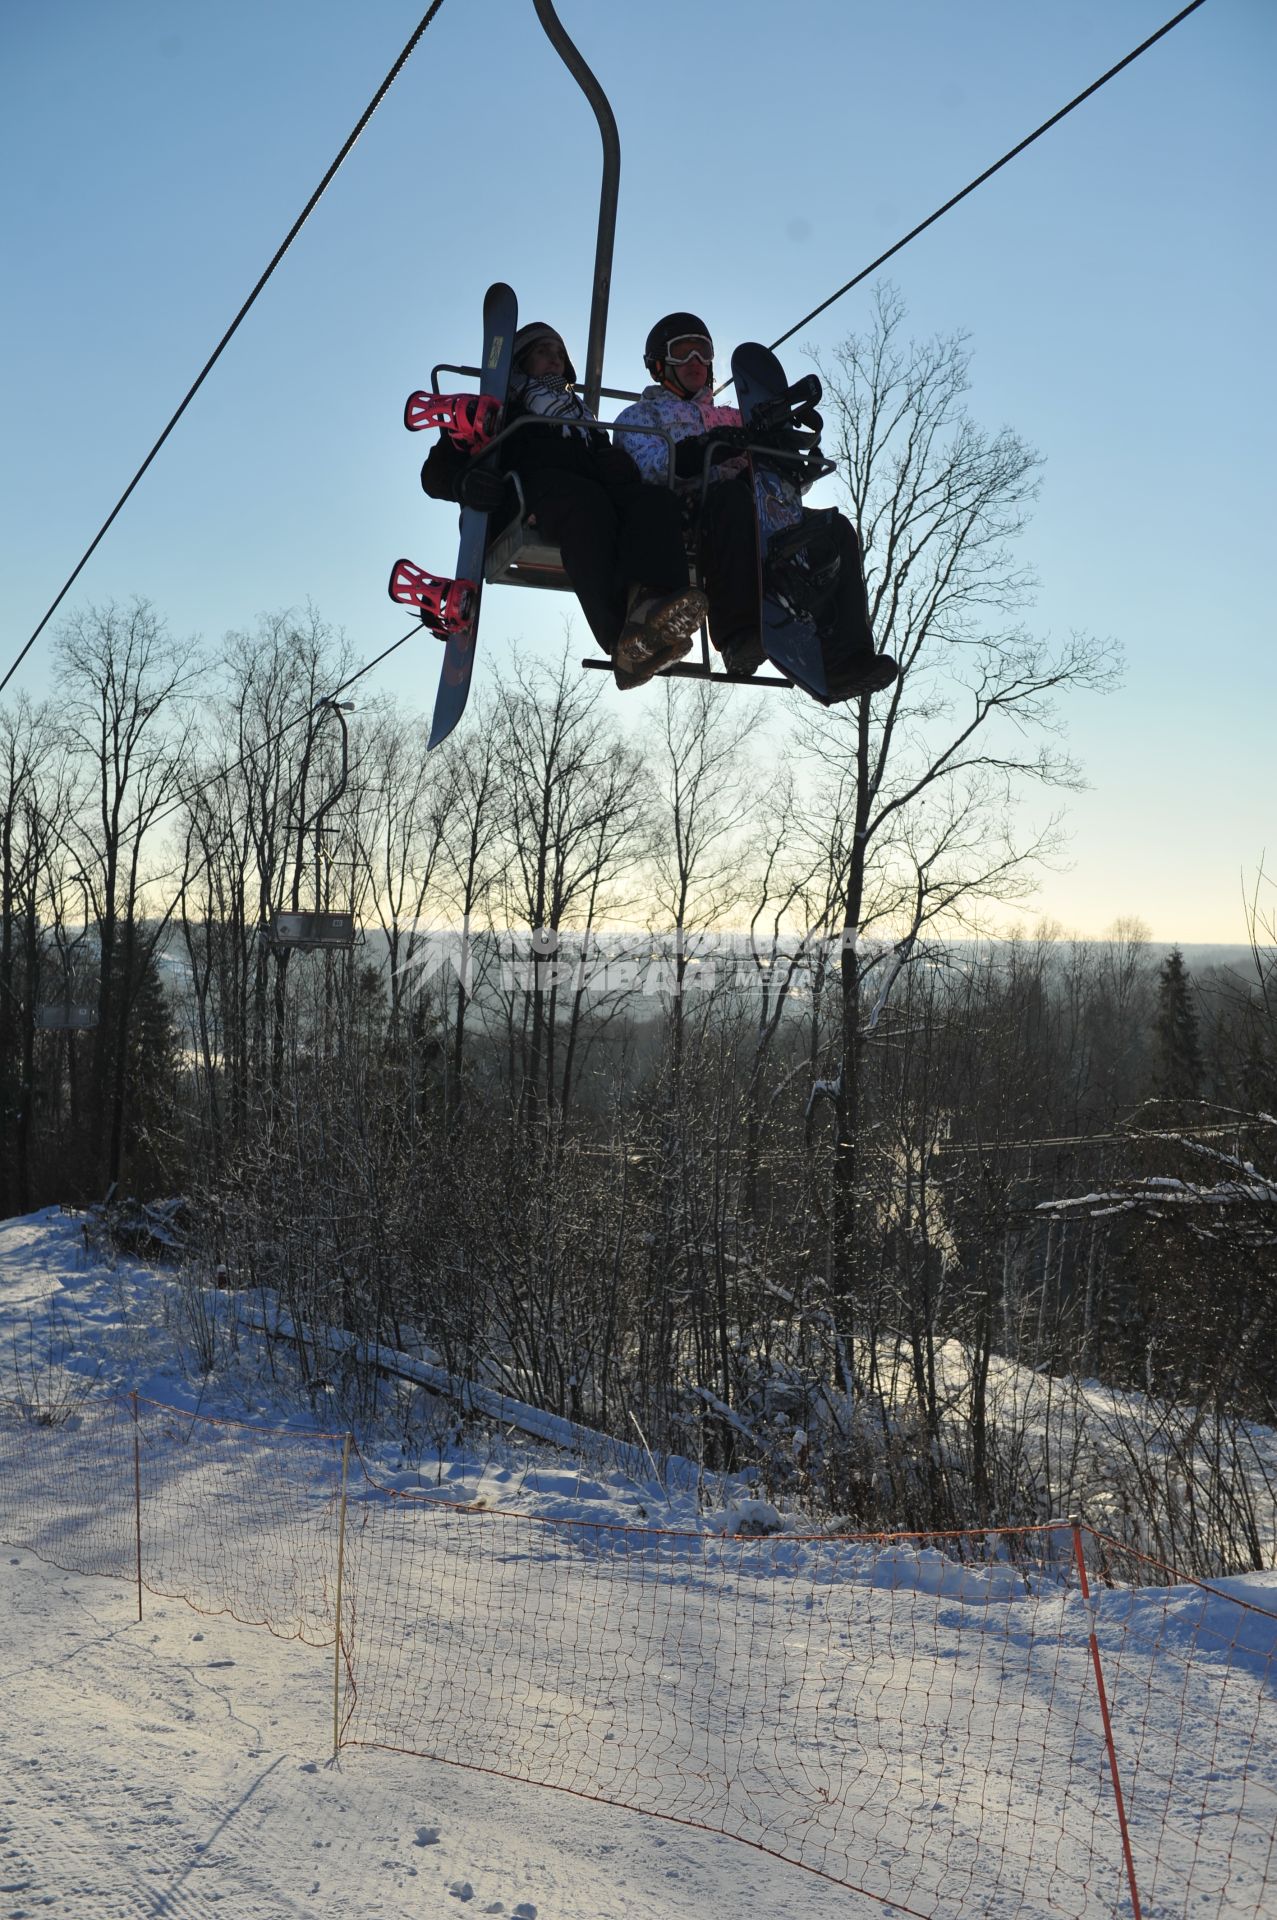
(633, 930)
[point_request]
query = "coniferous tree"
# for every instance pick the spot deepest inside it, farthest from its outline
(1179, 1055)
(152, 1158)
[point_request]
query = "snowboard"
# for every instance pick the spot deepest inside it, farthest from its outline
(450, 607)
(799, 558)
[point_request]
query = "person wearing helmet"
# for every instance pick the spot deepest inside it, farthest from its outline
(621, 542)
(679, 355)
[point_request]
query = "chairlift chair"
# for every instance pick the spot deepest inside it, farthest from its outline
(67, 1014)
(315, 928)
(63, 1017)
(517, 554)
(310, 931)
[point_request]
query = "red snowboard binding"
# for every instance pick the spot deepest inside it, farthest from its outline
(445, 606)
(469, 419)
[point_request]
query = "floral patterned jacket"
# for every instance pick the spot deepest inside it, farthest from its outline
(679, 418)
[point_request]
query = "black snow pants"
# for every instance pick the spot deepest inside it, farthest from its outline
(614, 533)
(727, 562)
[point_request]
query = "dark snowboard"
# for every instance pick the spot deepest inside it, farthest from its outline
(812, 627)
(450, 608)
(500, 319)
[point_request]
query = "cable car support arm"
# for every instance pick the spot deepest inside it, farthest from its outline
(594, 93)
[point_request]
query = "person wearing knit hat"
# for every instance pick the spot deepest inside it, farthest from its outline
(534, 334)
(621, 542)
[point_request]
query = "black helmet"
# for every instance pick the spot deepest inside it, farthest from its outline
(672, 326)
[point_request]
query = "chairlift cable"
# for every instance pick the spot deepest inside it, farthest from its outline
(989, 172)
(188, 794)
(346, 148)
(216, 354)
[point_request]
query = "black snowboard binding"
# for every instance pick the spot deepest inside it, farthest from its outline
(803, 565)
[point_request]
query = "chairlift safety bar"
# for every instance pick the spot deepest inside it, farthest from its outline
(476, 373)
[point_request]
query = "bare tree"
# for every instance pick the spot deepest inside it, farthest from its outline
(920, 785)
(239, 852)
(708, 796)
(124, 679)
(35, 805)
(1192, 1217)
(1243, 1030)
(472, 837)
(578, 829)
(1122, 1003)
(406, 796)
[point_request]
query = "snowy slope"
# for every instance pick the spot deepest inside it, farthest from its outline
(880, 1712)
(179, 1768)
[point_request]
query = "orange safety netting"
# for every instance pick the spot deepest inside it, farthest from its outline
(916, 1717)
(228, 1516)
(945, 1723)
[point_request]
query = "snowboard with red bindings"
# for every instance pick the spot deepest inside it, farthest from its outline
(449, 607)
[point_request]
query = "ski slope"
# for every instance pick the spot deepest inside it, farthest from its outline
(922, 1731)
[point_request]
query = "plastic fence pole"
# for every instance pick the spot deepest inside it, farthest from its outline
(137, 1499)
(341, 1563)
(1108, 1724)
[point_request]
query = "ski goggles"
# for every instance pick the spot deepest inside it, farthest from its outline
(689, 346)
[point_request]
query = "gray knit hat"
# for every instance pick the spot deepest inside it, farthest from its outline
(529, 336)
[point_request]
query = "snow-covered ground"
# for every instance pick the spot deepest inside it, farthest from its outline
(922, 1730)
(181, 1767)
(1122, 1458)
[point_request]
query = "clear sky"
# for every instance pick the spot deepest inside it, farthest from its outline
(1116, 281)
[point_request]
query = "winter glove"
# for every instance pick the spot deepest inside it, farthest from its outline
(481, 488)
(689, 455)
(439, 474)
(613, 462)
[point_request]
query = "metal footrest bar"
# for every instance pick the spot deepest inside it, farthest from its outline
(682, 671)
